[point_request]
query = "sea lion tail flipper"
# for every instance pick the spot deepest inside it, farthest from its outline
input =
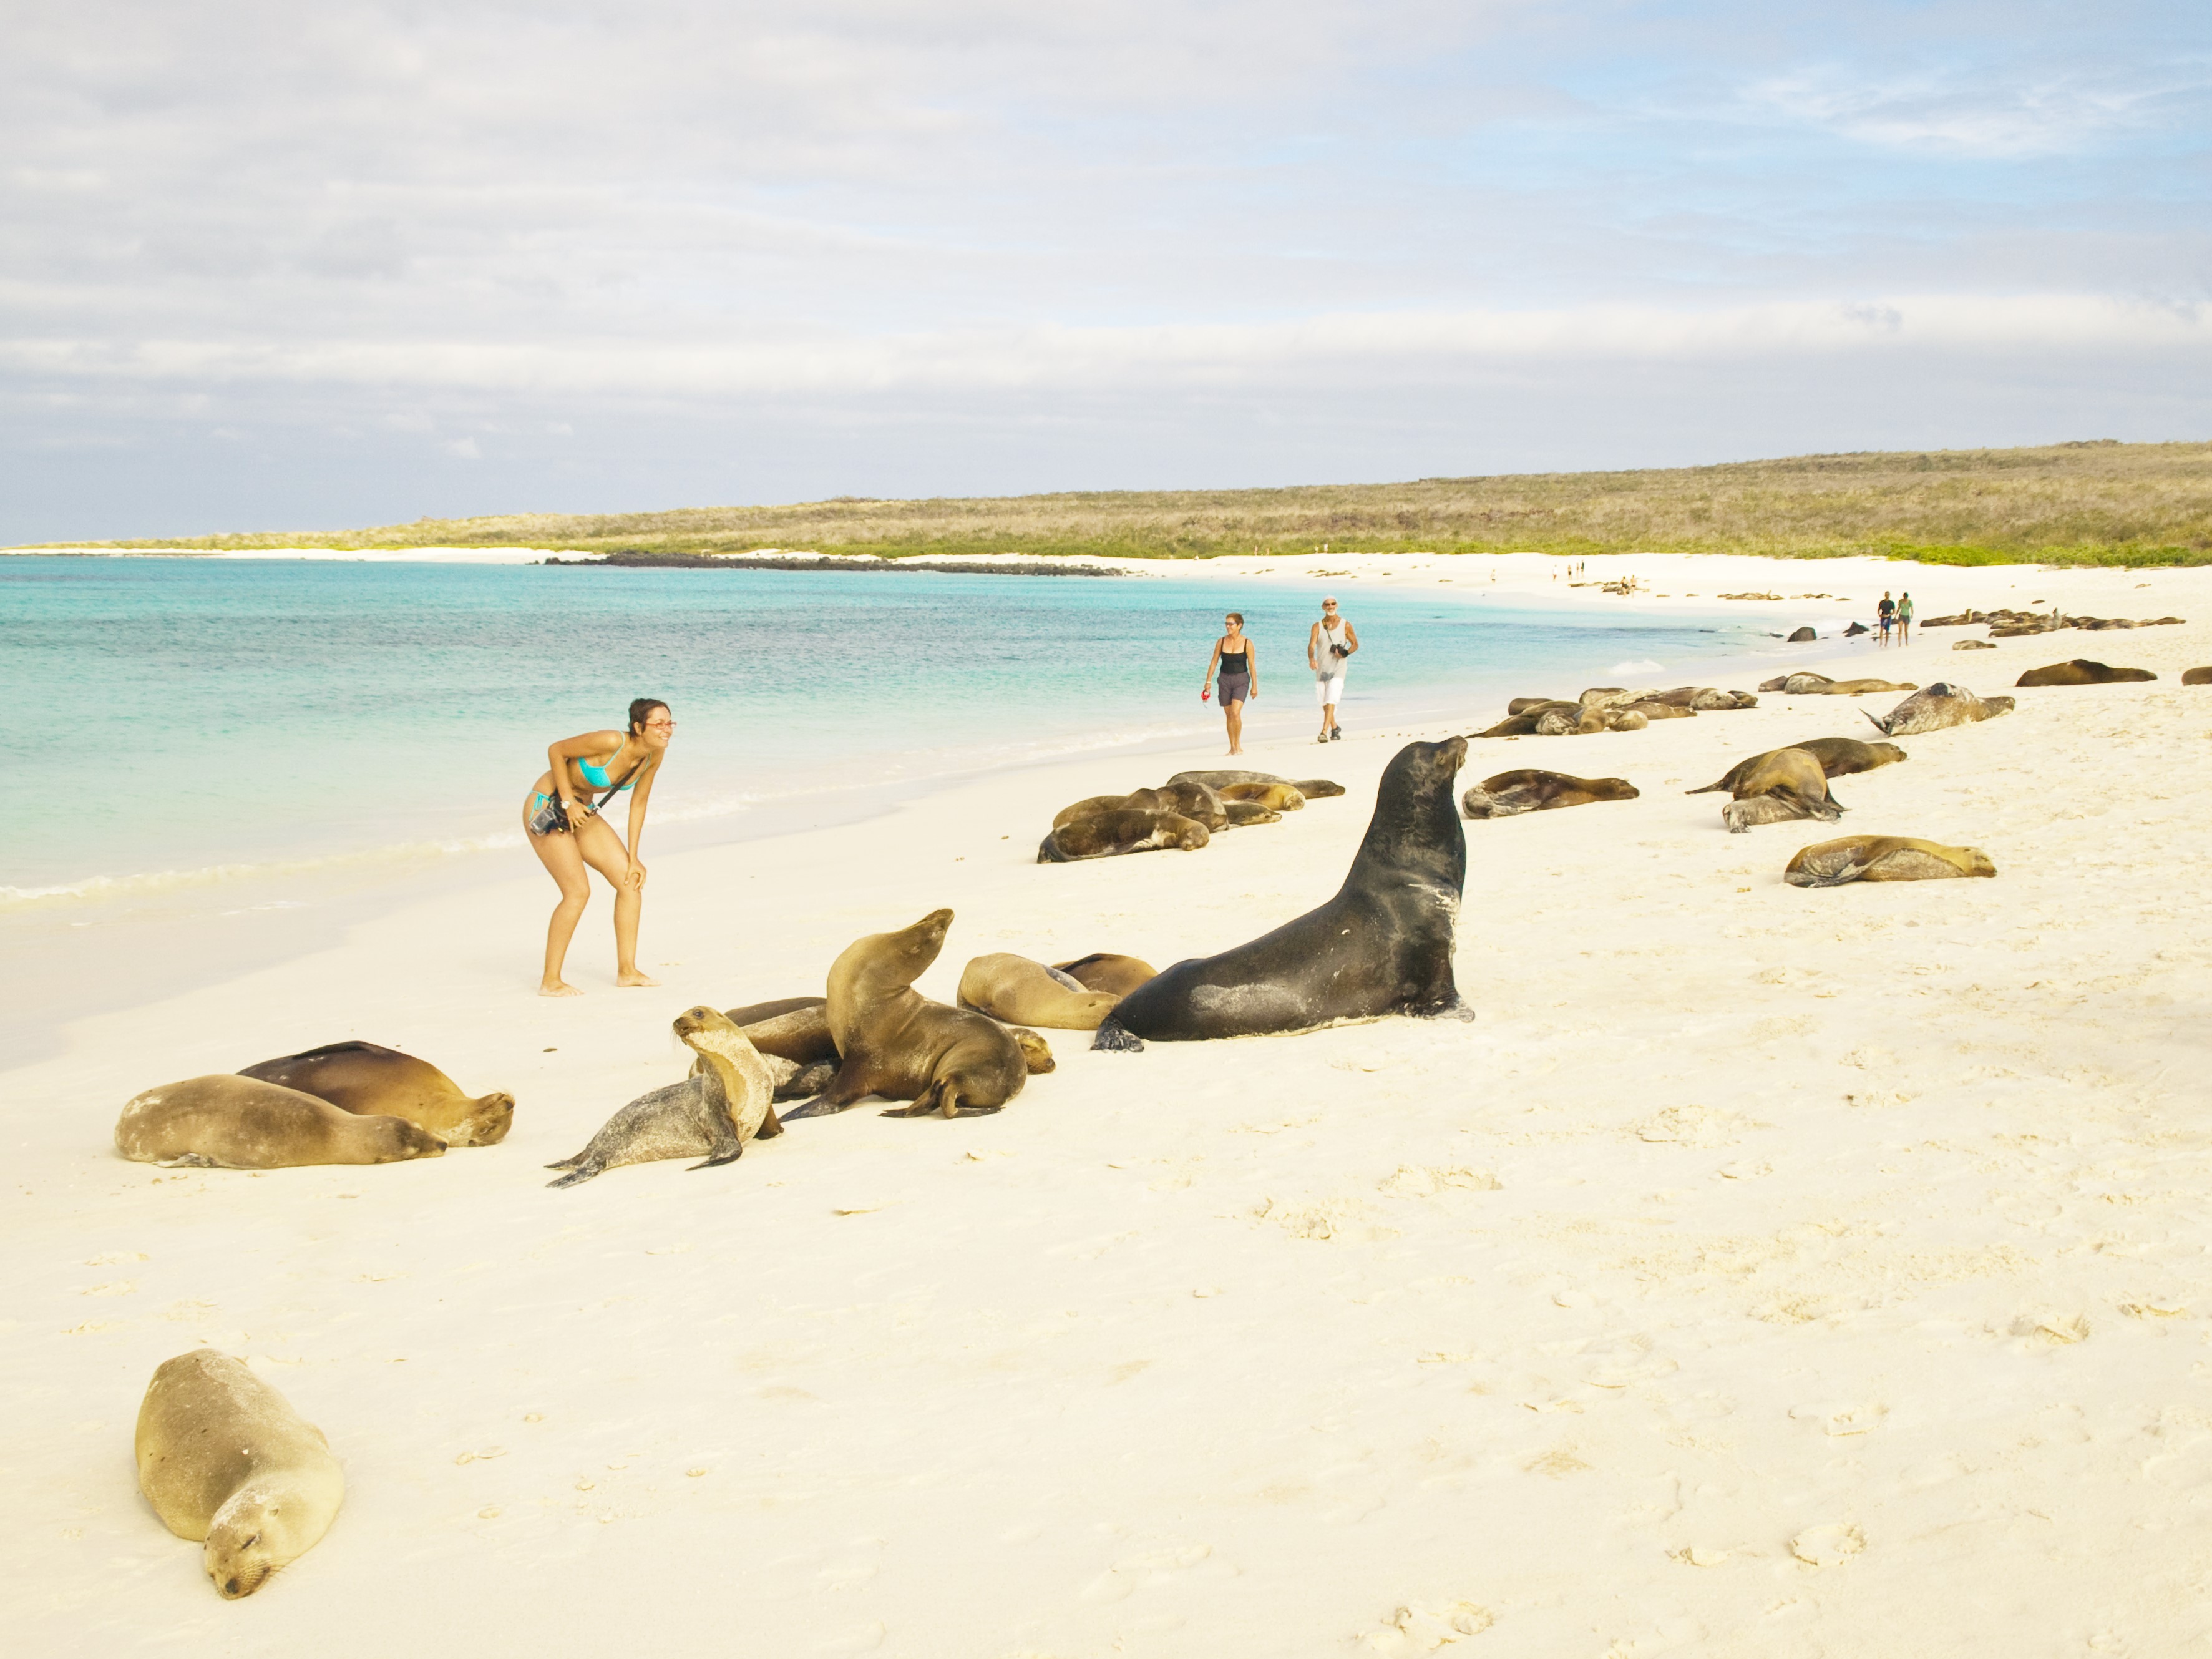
(1836, 878)
(575, 1177)
(568, 1163)
(729, 1146)
(1116, 1038)
(1881, 726)
(730, 1154)
(189, 1161)
(1710, 788)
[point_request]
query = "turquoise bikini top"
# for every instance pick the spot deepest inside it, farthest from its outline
(595, 776)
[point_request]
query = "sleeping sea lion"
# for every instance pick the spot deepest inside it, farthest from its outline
(1020, 991)
(1383, 945)
(2082, 671)
(1275, 797)
(1785, 784)
(1194, 800)
(225, 1121)
(1523, 705)
(1711, 701)
(1973, 645)
(2197, 676)
(372, 1082)
(1821, 686)
(1314, 789)
(1806, 675)
(1936, 706)
(1839, 757)
(1237, 814)
(898, 1044)
(723, 1104)
(1646, 710)
(228, 1463)
(1089, 806)
(1100, 971)
(1511, 793)
(1125, 829)
(1882, 858)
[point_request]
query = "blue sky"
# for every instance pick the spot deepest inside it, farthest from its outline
(271, 266)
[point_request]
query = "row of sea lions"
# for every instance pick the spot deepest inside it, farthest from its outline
(1805, 683)
(1610, 709)
(1182, 815)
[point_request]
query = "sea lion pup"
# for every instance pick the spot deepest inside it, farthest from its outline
(723, 1104)
(1511, 793)
(1839, 757)
(2197, 676)
(2082, 671)
(1785, 784)
(898, 1044)
(1933, 707)
(228, 1463)
(1239, 814)
(1383, 945)
(372, 1082)
(1020, 991)
(225, 1121)
(1101, 971)
(1882, 858)
(1275, 797)
(1124, 830)
(1314, 789)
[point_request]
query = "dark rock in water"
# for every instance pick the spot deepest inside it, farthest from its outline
(1856, 628)
(1803, 636)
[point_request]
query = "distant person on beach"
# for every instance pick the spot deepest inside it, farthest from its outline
(1240, 676)
(1330, 646)
(1904, 618)
(1887, 610)
(566, 832)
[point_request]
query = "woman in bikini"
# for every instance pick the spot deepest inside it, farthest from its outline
(1240, 676)
(562, 819)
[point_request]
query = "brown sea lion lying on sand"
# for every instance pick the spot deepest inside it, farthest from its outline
(1839, 757)
(1786, 784)
(1016, 990)
(226, 1121)
(1123, 830)
(1882, 858)
(1102, 971)
(1819, 684)
(1274, 797)
(899, 1044)
(1936, 706)
(2197, 676)
(1314, 789)
(2082, 671)
(373, 1082)
(1511, 793)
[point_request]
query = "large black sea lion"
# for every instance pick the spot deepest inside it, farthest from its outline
(1383, 945)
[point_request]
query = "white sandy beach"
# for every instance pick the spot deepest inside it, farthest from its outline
(1764, 1272)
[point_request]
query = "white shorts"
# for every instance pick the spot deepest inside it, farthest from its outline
(1328, 687)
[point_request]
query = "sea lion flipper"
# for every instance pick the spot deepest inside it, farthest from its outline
(575, 1177)
(771, 1126)
(1116, 1038)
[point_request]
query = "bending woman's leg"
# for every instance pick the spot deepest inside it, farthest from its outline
(565, 865)
(602, 849)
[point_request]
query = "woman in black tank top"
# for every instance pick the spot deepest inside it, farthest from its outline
(1240, 677)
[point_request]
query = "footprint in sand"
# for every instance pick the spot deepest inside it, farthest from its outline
(1827, 1547)
(1155, 1568)
(1843, 1421)
(1426, 1629)
(1415, 1180)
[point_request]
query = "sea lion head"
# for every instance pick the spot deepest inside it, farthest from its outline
(1888, 754)
(1416, 826)
(249, 1539)
(710, 1029)
(884, 964)
(490, 1116)
(409, 1140)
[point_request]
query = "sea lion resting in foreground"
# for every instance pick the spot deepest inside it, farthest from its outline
(1882, 858)
(373, 1082)
(723, 1104)
(1511, 793)
(1383, 945)
(1314, 789)
(1101, 971)
(2082, 671)
(228, 1463)
(899, 1044)
(1122, 829)
(1933, 707)
(1020, 991)
(1785, 784)
(226, 1121)
(1839, 757)
(2197, 676)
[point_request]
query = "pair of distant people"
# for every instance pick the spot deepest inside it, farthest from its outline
(1330, 643)
(1896, 613)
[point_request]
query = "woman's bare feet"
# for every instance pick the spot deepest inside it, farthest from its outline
(634, 977)
(559, 988)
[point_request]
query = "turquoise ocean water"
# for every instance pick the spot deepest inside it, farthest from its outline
(226, 739)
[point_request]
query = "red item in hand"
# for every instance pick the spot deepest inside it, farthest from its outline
(1206, 696)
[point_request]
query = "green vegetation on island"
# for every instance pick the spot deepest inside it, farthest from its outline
(2093, 502)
